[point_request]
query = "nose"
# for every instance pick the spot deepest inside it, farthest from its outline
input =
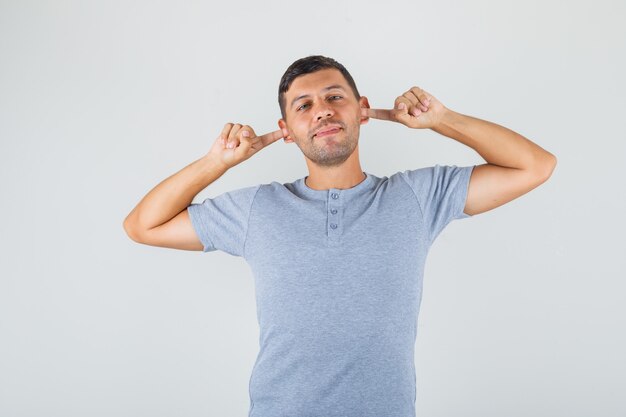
(324, 111)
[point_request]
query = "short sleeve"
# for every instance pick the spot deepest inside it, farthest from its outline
(221, 222)
(441, 193)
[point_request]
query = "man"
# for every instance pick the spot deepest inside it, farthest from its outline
(337, 256)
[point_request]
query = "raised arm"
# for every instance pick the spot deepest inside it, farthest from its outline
(161, 217)
(515, 165)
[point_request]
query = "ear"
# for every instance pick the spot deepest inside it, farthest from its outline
(283, 126)
(364, 103)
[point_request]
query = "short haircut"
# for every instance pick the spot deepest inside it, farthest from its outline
(307, 65)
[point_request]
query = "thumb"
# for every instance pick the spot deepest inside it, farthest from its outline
(401, 112)
(244, 144)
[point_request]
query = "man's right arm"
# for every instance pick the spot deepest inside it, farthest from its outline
(161, 217)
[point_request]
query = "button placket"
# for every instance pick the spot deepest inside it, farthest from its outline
(334, 203)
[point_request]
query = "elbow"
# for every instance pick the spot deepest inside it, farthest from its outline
(548, 166)
(131, 230)
(544, 168)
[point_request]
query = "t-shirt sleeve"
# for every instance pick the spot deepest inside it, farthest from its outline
(221, 222)
(441, 193)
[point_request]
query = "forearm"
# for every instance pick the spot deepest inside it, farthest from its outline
(496, 144)
(174, 194)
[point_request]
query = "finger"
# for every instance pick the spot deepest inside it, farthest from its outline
(412, 98)
(271, 137)
(246, 132)
(417, 104)
(224, 133)
(416, 107)
(407, 104)
(401, 110)
(232, 140)
(377, 114)
(245, 136)
(243, 141)
(422, 96)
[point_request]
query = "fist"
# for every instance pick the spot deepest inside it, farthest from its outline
(239, 142)
(416, 109)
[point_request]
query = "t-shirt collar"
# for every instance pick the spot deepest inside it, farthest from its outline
(346, 193)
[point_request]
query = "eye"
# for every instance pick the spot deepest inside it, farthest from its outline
(306, 104)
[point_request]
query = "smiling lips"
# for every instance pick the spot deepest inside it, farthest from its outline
(331, 130)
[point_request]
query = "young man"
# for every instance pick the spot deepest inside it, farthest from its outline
(337, 256)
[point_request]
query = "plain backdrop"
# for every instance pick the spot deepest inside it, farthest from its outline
(523, 311)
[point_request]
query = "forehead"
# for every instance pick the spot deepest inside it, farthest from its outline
(314, 82)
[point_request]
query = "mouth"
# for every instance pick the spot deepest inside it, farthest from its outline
(327, 131)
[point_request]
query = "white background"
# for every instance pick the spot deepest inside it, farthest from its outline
(523, 311)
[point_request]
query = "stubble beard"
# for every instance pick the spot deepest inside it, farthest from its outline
(331, 151)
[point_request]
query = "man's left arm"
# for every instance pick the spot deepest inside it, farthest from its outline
(515, 165)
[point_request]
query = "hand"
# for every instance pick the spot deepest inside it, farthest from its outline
(237, 143)
(416, 109)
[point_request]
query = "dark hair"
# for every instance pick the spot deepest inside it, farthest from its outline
(308, 65)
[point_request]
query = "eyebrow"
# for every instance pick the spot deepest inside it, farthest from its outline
(330, 87)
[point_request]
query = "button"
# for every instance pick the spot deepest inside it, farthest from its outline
(333, 226)
(335, 195)
(334, 211)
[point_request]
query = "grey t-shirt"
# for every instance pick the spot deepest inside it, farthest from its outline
(338, 280)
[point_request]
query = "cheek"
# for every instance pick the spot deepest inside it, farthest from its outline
(299, 129)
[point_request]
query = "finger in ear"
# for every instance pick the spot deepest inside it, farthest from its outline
(402, 101)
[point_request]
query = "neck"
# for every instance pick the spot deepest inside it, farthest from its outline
(341, 177)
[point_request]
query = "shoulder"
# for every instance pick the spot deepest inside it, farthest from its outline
(425, 176)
